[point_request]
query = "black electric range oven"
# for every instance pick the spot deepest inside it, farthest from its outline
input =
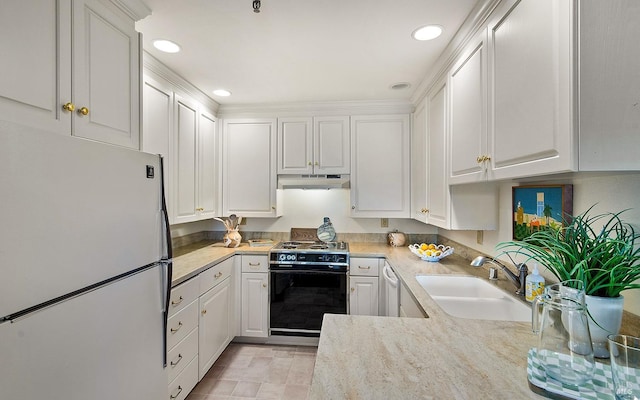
(307, 280)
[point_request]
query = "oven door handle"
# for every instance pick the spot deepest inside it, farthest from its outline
(306, 271)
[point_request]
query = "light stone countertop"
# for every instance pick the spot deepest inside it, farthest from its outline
(191, 264)
(440, 357)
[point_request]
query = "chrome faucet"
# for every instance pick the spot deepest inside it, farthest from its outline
(517, 280)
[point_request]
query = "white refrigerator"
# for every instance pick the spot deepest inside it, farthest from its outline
(85, 269)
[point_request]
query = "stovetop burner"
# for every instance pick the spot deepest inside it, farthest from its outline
(329, 247)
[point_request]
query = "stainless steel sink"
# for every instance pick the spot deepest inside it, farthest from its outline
(473, 298)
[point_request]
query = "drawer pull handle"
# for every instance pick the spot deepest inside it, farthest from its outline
(218, 275)
(367, 267)
(175, 303)
(178, 328)
(175, 396)
(254, 265)
(174, 363)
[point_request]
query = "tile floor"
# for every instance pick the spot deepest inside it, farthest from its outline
(249, 371)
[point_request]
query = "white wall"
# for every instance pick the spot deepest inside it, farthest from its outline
(611, 192)
(306, 209)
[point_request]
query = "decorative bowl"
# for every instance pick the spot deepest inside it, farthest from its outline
(432, 252)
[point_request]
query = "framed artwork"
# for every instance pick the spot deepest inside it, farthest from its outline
(540, 207)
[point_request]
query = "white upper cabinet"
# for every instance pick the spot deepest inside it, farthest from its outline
(317, 145)
(609, 85)
(380, 166)
(195, 161)
(438, 199)
(249, 167)
(530, 62)
(331, 145)
(468, 112)
(73, 68)
(419, 164)
(36, 73)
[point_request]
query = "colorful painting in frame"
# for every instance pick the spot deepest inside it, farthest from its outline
(540, 207)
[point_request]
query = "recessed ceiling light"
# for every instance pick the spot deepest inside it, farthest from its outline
(222, 92)
(166, 45)
(400, 86)
(427, 32)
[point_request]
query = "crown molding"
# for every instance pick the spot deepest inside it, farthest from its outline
(155, 67)
(475, 21)
(135, 9)
(363, 107)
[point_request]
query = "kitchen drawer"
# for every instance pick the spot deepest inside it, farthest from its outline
(255, 263)
(180, 355)
(364, 266)
(215, 275)
(183, 294)
(184, 383)
(181, 324)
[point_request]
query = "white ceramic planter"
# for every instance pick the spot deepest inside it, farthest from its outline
(607, 312)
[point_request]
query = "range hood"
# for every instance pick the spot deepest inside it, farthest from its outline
(313, 181)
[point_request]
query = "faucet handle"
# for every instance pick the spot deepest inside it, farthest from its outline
(493, 274)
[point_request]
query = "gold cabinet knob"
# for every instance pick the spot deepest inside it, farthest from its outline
(68, 107)
(83, 111)
(479, 159)
(317, 163)
(199, 209)
(353, 207)
(203, 312)
(273, 207)
(353, 289)
(309, 163)
(487, 158)
(264, 285)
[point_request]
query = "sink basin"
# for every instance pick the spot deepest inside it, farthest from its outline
(473, 298)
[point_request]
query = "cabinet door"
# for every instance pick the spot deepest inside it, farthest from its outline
(36, 63)
(380, 166)
(207, 166)
(419, 164)
(363, 295)
(214, 326)
(255, 304)
(249, 167)
(468, 133)
(106, 75)
(185, 141)
(438, 198)
(157, 127)
(295, 146)
(331, 145)
(530, 65)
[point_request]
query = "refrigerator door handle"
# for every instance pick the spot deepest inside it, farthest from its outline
(166, 260)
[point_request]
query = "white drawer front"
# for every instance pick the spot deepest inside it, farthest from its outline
(183, 294)
(182, 354)
(215, 275)
(364, 266)
(255, 263)
(181, 324)
(184, 382)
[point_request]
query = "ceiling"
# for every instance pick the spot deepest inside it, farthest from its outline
(301, 50)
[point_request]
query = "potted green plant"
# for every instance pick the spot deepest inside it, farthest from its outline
(598, 249)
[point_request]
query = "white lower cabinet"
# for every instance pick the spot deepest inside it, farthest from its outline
(182, 339)
(215, 325)
(364, 286)
(255, 296)
(200, 326)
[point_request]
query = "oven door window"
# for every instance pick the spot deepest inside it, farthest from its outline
(300, 299)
